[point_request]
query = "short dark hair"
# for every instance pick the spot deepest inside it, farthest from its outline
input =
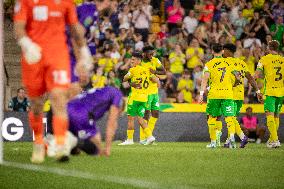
(231, 47)
(148, 48)
(248, 108)
(273, 45)
(137, 54)
(217, 48)
(19, 89)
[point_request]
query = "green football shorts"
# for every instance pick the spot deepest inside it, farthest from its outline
(225, 105)
(238, 105)
(273, 104)
(153, 102)
(136, 109)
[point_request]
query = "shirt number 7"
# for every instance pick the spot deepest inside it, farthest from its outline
(223, 73)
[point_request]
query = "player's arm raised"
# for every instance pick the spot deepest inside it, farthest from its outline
(204, 82)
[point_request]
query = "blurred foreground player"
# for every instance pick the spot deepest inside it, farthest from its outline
(40, 31)
(84, 111)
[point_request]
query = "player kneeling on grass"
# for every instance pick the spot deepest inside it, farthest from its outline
(84, 111)
(137, 100)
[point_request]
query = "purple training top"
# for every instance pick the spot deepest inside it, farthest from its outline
(88, 17)
(89, 107)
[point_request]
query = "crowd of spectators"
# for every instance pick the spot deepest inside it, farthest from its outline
(182, 31)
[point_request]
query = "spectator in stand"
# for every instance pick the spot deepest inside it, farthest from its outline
(171, 85)
(185, 88)
(138, 42)
(114, 54)
(258, 4)
(175, 15)
(113, 80)
(98, 79)
(20, 103)
(248, 37)
(215, 33)
(182, 39)
(261, 29)
(240, 24)
(106, 24)
(194, 55)
(160, 50)
(277, 30)
(142, 18)
(163, 34)
(106, 62)
(114, 16)
(190, 22)
(249, 59)
(251, 128)
(125, 18)
(207, 11)
(248, 11)
(122, 71)
(177, 60)
(197, 78)
(277, 9)
(201, 34)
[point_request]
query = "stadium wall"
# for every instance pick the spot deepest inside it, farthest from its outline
(170, 127)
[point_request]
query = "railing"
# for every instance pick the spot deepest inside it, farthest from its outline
(6, 75)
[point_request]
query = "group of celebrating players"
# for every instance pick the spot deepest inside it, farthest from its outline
(225, 76)
(41, 33)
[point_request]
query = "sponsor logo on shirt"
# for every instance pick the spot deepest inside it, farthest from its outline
(55, 14)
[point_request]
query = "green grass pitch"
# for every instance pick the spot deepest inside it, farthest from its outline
(166, 165)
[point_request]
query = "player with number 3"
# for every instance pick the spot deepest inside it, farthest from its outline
(272, 67)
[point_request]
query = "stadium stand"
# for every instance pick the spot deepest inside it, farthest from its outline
(248, 24)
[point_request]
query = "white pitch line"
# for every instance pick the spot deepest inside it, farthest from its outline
(90, 176)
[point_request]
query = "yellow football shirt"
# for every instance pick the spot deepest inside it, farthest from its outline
(176, 67)
(250, 61)
(221, 82)
(139, 74)
(98, 81)
(107, 63)
(194, 60)
(241, 67)
(182, 85)
(273, 69)
(153, 64)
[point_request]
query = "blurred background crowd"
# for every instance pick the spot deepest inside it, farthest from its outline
(182, 32)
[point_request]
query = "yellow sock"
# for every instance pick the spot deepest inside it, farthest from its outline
(152, 122)
(230, 125)
(147, 132)
(212, 128)
(276, 120)
(130, 134)
(238, 129)
(142, 134)
(219, 125)
(272, 128)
